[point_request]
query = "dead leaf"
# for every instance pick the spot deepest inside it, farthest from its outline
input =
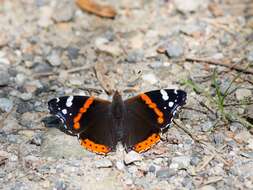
(104, 80)
(90, 6)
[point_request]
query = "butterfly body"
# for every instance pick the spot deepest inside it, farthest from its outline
(136, 122)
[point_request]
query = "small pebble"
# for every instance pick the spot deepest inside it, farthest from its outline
(45, 14)
(206, 126)
(20, 79)
(218, 138)
(103, 163)
(6, 104)
(236, 126)
(120, 165)
(37, 139)
(174, 49)
(4, 78)
(243, 93)
(152, 169)
(165, 173)
(150, 77)
(73, 52)
(250, 56)
(54, 58)
(135, 56)
(131, 157)
(195, 160)
(60, 185)
(67, 14)
(180, 162)
(189, 5)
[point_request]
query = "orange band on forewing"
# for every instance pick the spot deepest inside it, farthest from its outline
(147, 144)
(93, 147)
(153, 106)
(82, 110)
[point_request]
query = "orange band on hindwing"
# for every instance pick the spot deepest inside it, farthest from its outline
(152, 105)
(93, 147)
(82, 110)
(147, 144)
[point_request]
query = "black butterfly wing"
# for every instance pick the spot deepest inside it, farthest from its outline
(147, 114)
(168, 101)
(88, 118)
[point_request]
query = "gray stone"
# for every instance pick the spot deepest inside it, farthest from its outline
(54, 58)
(6, 104)
(243, 93)
(42, 67)
(236, 126)
(19, 186)
(226, 86)
(131, 157)
(156, 64)
(187, 182)
(64, 16)
(191, 28)
(13, 138)
(180, 162)
(165, 173)
(20, 79)
(250, 56)
(152, 169)
(206, 126)
(73, 52)
(174, 49)
(226, 39)
(26, 96)
(39, 3)
(58, 145)
(135, 56)
(2, 174)
(249, 111)
(103, 163)
(218, 138)
(24, 107)
(60, 185)
(37, 139)
(4, 78)
(195, 160)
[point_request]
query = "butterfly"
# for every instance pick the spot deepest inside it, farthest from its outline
(136, 122)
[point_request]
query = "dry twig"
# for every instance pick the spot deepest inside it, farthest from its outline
(212, 62)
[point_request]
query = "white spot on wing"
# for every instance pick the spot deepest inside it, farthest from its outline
(64, 111)
(165, 107)
(164, 94)
(69, 101)
(57, 99)
(171, 104)
(175, 91)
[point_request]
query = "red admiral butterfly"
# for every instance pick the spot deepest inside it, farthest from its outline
(135, 122)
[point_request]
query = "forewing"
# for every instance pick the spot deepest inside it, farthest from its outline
(88, 118)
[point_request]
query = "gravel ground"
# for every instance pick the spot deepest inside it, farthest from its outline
(50, 48)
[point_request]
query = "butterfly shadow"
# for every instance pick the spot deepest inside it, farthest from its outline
(55, 122)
